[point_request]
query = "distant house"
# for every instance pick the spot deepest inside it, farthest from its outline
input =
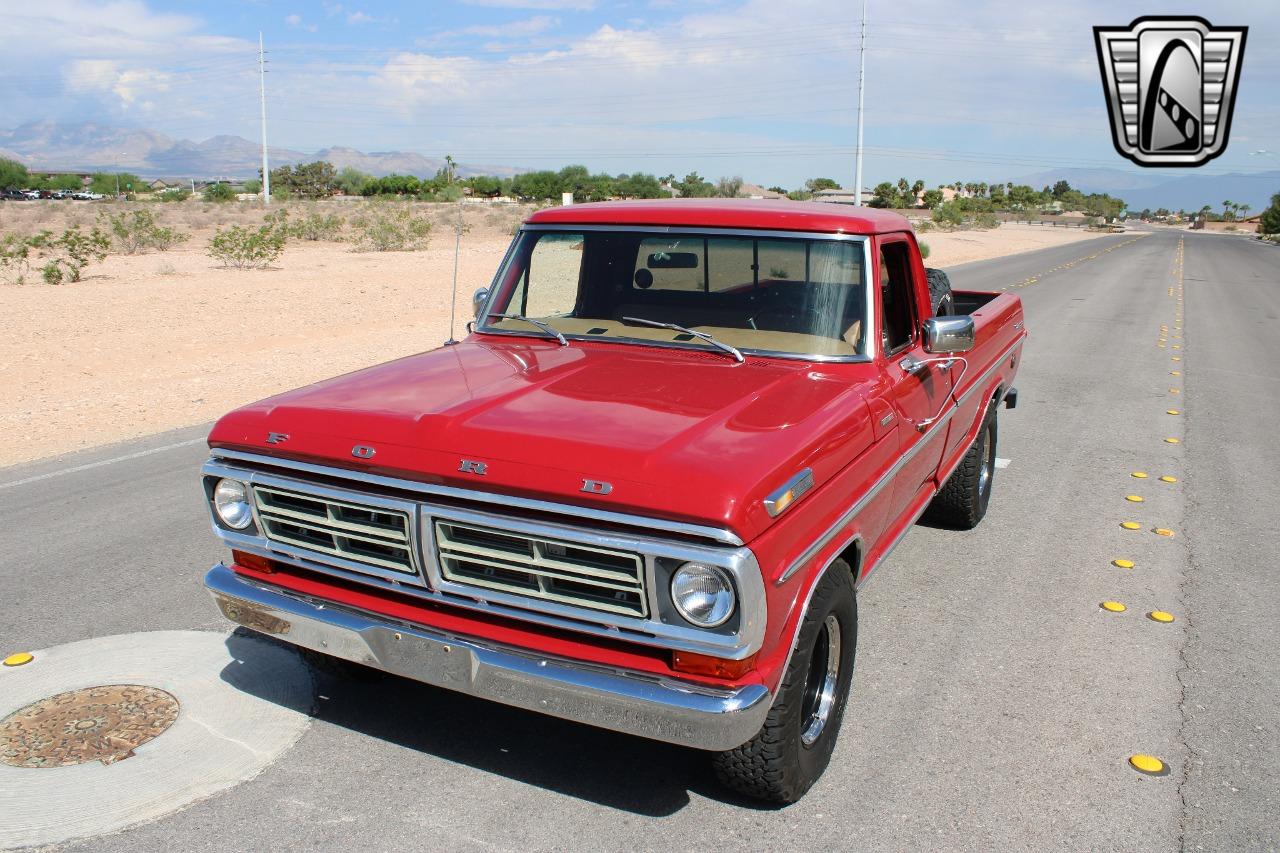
(157, 185)
(843, 196)
(756, 191)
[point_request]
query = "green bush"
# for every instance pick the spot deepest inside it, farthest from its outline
(924, 250)
(949, 214)
(15, 258)
(922, 227)
(389, 227)
(317, 226)
(247, 248)
(136, 231)
(986, 221)
(65, 257)
(219, 192)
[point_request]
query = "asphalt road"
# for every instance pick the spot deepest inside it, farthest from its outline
(994, 704)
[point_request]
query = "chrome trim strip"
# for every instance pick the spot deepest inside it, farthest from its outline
(799, 486)
(715, 534)
(740, 563)
(897, 540)
(869, 495)
(636, 703)
(847, 517)
(804, 608)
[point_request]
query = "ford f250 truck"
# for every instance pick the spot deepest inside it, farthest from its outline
(643, 492)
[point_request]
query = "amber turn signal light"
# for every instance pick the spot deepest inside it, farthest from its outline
(695, 664)
(252, 562)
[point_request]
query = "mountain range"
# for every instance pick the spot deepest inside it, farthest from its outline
(1190, 190)
(150, 154)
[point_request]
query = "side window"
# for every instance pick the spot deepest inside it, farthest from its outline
(550, 286)
(896, 296)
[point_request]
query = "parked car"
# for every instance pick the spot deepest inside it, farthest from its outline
(643, 492)
(14, 195)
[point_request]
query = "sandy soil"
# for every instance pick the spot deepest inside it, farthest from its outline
(157, 341)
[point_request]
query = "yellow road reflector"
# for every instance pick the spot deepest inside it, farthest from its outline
(19, 658)
(1122, 563)
(1148, 764)
(1167, 479)
(1131, 525)
(1177, 346)
(1137, 499)
(1175, 358)
(1141, 475)
(1175, 372)
(1162, 531)
(1172, 412)
(1175, 391)
(1172, 440)
(1113, 606)
(1160, 616)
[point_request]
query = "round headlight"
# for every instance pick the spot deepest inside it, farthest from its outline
(231, 500)
(702, 594)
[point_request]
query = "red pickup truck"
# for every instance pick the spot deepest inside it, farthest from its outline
(644, 490)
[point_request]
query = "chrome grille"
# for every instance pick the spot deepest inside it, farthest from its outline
(548, 569)
(358, 533)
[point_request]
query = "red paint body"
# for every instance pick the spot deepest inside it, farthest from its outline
(682, 435)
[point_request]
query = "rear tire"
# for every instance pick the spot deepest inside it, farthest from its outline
(794, 746)
(963, 500)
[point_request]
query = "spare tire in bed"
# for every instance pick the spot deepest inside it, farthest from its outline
(940, 293)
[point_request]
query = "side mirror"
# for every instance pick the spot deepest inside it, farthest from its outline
(478, 301)
(947, 335)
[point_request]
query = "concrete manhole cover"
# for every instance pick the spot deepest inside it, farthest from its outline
(105, 723)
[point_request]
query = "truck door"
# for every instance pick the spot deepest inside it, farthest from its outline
(916, 393)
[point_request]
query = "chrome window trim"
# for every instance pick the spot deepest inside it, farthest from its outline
(739, 562)
(720, 535)
(870, 494)
(709, 231)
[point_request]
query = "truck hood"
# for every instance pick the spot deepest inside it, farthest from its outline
(684, 435)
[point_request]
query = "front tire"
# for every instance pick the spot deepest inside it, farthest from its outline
(794, 746)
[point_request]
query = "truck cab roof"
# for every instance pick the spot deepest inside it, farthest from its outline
(768, 214)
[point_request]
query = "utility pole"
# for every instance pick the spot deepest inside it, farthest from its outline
(262, 94)
(862, 70)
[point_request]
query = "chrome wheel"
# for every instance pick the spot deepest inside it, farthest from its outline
(984, 474)
(820, 686)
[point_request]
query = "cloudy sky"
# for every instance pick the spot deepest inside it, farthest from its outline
(760, 88)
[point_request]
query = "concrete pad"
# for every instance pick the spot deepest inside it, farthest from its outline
(244, 702)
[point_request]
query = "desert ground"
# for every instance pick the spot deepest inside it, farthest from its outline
(156, 341)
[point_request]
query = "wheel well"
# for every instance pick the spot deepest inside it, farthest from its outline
(852, 554)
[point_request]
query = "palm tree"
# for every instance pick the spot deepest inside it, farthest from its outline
(1226, 209)
(1243, 211)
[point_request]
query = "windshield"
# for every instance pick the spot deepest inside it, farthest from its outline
(790, 296)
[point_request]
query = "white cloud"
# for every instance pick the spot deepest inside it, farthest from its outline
(549, 5)
(293, 20)
(514, 29)
(362, 17)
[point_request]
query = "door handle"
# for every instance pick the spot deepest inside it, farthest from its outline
(911, 365)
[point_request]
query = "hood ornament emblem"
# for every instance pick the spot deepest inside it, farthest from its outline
(277, 437)
(363, 451)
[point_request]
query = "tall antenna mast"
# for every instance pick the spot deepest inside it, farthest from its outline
(862, 70)
(457, 249)
(262, 94)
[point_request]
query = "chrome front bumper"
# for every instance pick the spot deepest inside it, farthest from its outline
(635, 703)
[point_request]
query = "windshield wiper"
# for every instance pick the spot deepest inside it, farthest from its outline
(720, 345)
(546, 327)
